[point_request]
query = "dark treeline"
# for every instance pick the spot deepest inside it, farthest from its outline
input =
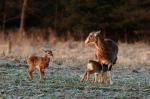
(124, 20)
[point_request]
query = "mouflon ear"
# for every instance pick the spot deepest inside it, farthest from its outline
(43, 49)
(97, 33)
(52, 49)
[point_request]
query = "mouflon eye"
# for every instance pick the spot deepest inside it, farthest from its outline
(50, 53)
(90, 37)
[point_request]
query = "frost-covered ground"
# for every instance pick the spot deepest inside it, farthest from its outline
(131, 74)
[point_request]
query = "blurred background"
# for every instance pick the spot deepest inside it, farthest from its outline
(61, 20)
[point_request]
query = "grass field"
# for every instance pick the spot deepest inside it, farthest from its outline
(131, 74)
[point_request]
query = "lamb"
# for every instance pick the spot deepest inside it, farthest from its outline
(40, 63)
(94, 67)
(106, 50)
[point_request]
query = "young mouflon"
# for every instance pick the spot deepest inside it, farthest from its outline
(39, 62)
(94, 67)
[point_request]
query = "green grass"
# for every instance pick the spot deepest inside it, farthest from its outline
(65, 83)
